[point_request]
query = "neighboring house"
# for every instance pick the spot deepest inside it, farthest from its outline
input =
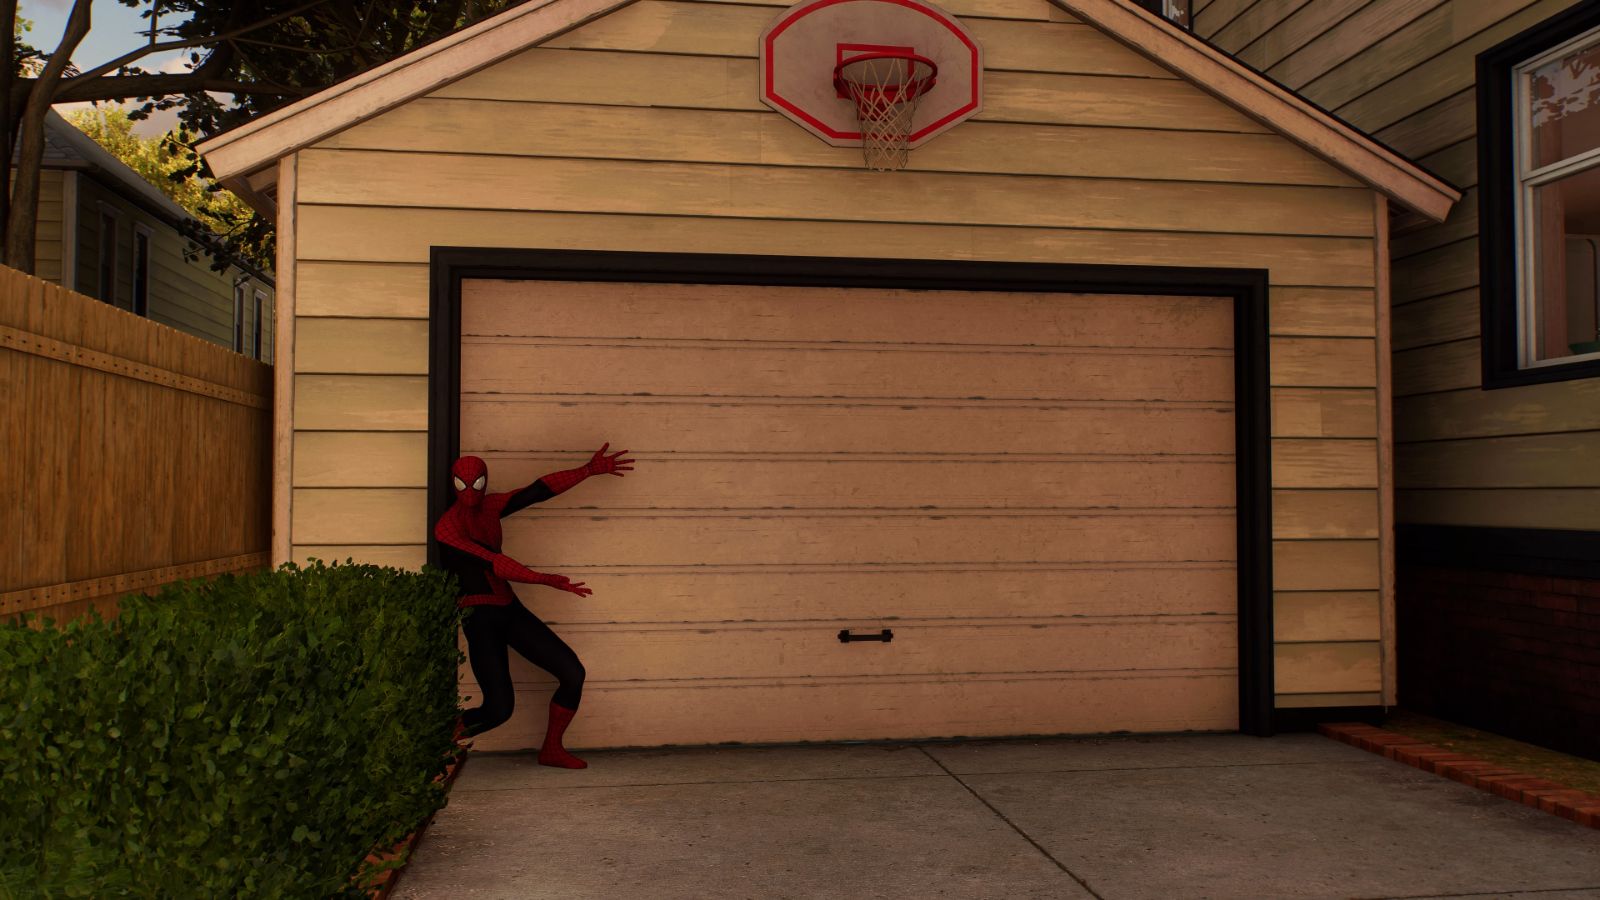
(1496, 352)
(106, 232)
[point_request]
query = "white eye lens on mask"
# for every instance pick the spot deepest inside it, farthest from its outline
(459, 485)
(478, 485)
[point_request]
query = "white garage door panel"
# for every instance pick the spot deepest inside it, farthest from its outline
(1035, 491)
(553, 542)
(806, 650)
(694, 594)
(513, 365)
(746, 428)
(837, 314)
(631, 715)
(731, 483)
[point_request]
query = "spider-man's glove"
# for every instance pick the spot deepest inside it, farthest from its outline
(599, 464)
(511, 570)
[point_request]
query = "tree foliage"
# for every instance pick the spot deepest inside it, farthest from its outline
(242, 60)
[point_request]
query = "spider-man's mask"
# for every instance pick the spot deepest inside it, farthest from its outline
(469, 476)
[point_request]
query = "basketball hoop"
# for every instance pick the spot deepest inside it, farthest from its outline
(886, 88)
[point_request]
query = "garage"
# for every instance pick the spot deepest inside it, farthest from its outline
(1059, 404)
(1031, 494)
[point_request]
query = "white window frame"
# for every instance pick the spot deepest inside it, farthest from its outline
(1529, 331)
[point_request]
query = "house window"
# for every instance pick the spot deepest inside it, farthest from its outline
(141, 270)
(240, 291)
(106, 286)
(1539, 209)
(1178, 11)
(255, 341)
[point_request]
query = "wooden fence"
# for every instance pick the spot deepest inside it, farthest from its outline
(134, 455)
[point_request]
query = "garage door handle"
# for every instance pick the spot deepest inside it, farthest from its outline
(885, 635)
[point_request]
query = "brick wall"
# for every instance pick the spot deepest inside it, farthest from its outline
(1516, 654)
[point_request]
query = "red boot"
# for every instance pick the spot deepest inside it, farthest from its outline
(552, 753)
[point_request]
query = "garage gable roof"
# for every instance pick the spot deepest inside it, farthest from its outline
(257, 145)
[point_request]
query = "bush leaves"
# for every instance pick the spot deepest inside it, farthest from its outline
(248, 736)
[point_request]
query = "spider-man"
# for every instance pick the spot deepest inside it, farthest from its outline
(469, 539)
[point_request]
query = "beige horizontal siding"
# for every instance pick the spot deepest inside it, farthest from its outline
(1324, 413)
(1540, 461)
(1457, 163)
(1434, 127)
(1330, 667)
(611, 78)
(1307, 47)
(1535, 409)
(642, 131)
(1310, 616)
(666, 27)
(374, 234)
(1462, 223)
(1320, 514)
(1255, 21)
(754, 137)
(1446, 366)
(1333, 698)
(1446, 317)
(388, 179)
(1025, 10)
(1567, 508)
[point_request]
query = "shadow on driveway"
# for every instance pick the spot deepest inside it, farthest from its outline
(1122, 818)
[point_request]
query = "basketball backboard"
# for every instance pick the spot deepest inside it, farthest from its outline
(806, 42)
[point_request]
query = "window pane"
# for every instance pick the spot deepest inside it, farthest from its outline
(1566, 106)
(107, 288)
(141, 273)
(238, 319)
(1566, 217)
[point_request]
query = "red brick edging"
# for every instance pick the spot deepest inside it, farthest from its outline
(1579, 806)
(385, 883)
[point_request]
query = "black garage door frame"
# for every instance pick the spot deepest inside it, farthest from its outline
(1246, 287)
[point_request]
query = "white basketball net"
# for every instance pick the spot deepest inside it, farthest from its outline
(886, 90)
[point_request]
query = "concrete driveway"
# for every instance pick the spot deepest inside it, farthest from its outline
(1186, 816)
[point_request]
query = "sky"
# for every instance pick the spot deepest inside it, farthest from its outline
(113, 31)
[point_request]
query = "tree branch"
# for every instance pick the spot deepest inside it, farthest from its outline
(122, 87)
(207, 41)
(21, 221)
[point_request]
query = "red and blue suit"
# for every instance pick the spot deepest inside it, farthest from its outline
(469, 541)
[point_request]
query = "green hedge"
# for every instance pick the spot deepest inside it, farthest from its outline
(250, 736)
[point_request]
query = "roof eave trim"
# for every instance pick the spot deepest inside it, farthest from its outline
(1273, 105)
(262, 141)
(97, 158)
(258, 200)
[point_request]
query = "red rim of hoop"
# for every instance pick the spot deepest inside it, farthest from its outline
(893, 93)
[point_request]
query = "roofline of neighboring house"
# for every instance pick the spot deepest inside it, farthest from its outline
(127, 183)
(245, 158)
(97, 156)
(1235, 82)
(120, 188)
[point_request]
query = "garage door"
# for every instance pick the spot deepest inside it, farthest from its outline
(1034, 493)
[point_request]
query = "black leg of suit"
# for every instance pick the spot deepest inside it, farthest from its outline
(490, 631)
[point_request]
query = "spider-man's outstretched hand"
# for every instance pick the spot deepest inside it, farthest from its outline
(511, 570)
(601, 464)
